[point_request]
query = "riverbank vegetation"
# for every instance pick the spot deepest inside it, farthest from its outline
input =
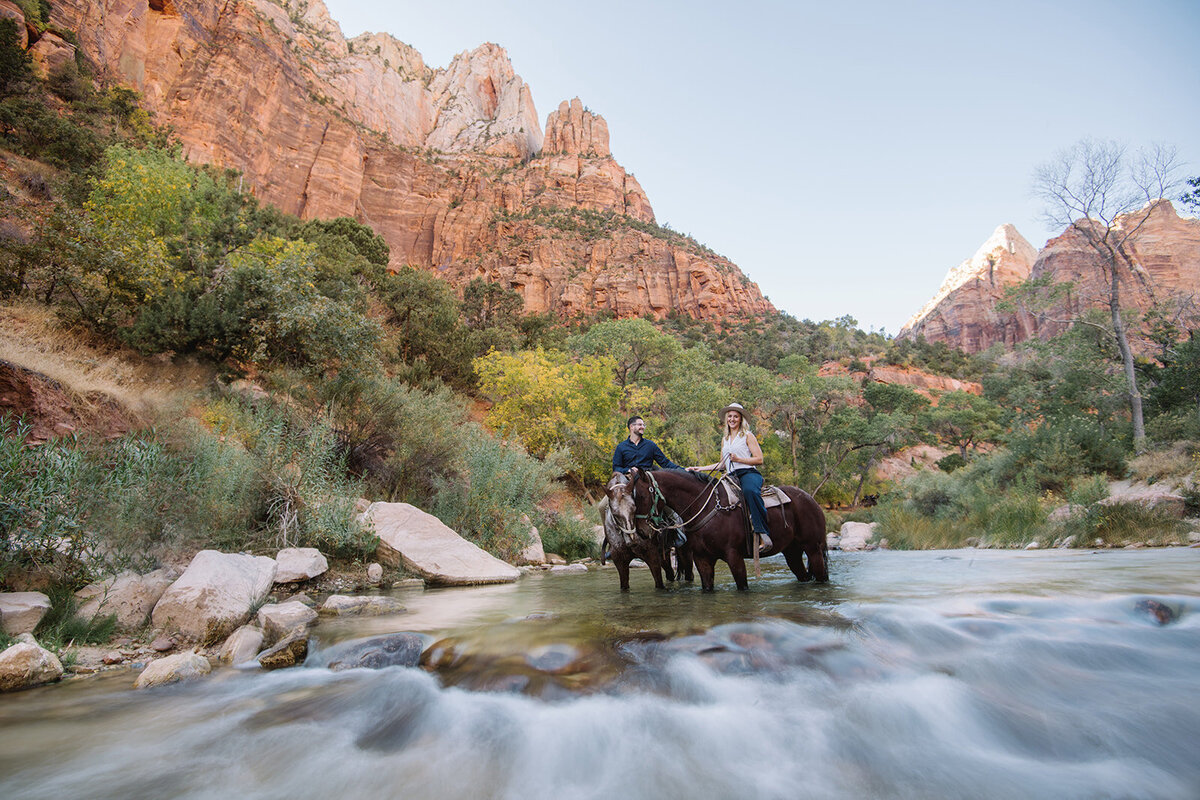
(316, 376)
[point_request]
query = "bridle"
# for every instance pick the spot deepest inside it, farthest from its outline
(657, 521)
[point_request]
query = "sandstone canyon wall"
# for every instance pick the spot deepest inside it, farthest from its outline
(1163, 272)
(449, 165)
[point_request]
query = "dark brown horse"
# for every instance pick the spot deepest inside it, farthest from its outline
(638, 538)
(717, 531)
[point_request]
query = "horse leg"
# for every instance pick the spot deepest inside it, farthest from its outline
(707, 568)
(685, 561)
(653, 558)
(817, 563)
(666, 562)
(737, 565)
(621, 560)
(794, 554)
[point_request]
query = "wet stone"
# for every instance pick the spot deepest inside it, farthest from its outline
(393, 650)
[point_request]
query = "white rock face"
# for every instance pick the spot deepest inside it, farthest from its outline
(20, 612)
(299, 564)
(27, 664)
(130, 596)
(422, 544)
(242, 645)
(855, 535)
(278, 620)
(179, 667)
(214, 595)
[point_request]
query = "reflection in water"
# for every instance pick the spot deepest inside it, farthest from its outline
(943, 675)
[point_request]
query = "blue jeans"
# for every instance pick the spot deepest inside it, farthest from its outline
(752, 483)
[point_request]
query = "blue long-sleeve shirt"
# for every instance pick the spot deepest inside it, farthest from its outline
(643, 455)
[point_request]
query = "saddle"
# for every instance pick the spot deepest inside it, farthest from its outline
(772, 495)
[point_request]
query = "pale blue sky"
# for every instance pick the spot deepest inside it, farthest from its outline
(844, 155)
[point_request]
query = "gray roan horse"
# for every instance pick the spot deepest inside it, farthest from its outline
(644, 541)
(717, 530)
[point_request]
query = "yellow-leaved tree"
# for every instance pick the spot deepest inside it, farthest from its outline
(549, 401)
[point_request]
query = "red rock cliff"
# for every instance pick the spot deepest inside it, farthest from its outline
(448, 165)
(1165, 258)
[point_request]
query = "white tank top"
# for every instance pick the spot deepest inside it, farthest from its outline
(737, 446)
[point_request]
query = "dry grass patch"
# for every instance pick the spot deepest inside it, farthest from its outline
(33, 338)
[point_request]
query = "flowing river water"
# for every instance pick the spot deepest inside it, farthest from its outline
(951, 674)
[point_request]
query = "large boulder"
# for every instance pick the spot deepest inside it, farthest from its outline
(855, 535)
(179, 667)
(131, 597)
(214, 595)
(242, 645)
(299, 564)
(20, 612)
(26, 664)
(279, 620)
(377, 652)
(420, 543)
(534, 552)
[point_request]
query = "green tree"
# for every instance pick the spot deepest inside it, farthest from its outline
(642, 354)
(548, 401)
(964, 420)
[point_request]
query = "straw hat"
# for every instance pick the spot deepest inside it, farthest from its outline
(733, 407)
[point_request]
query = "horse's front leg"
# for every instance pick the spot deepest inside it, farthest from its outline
(621, 559)
(653, 559)
(668, 570)
(737, 566)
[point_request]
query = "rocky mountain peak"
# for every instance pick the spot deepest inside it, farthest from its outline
(574, 130)
(1006, 258)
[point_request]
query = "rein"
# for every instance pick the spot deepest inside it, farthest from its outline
(660, 523)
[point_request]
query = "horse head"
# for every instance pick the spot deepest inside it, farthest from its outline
(621, 502)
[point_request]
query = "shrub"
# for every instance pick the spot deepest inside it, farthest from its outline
(565, 534)
(500, 484)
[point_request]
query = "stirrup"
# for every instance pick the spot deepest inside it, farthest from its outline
(766, 541)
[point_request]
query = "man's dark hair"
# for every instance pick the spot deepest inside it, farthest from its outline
(633, 419)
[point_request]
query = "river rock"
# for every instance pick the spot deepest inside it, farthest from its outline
(20, 612)
(131, 597)
(277, 621)
(393, 650)
(569, 569)
(422, 544)
(242, 645)
(374, 573)
(299, 564)
(290, 651)
(214, 595)
(340, 605)
(855, 535)
(554, 559)
(301, 597)
(27, 664)
(534, 552)
(179, 667)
